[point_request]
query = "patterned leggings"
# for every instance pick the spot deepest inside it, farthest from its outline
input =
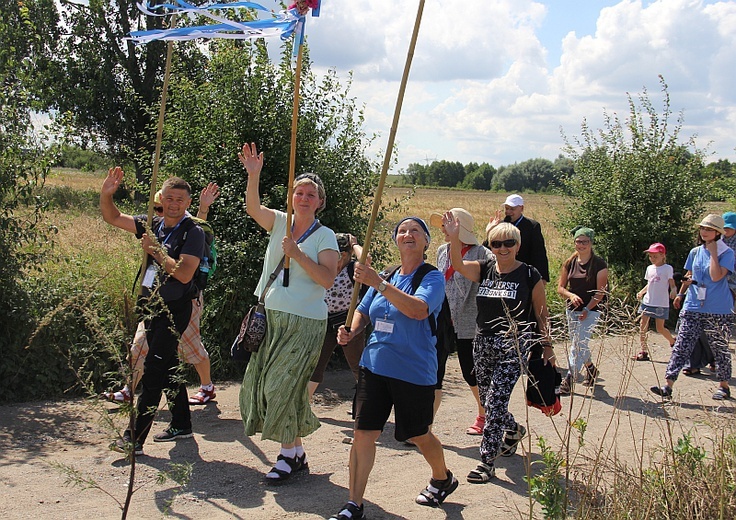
(716, 328)
(498, 365)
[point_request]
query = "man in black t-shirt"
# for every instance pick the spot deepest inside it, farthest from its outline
(532, 250)
(174, 252)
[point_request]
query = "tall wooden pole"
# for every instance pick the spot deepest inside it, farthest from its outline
(292, 153)
(159, 138)
(386, 160)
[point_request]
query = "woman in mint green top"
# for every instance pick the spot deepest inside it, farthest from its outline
(273, 397)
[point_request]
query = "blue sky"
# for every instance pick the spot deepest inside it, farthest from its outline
(495, 81)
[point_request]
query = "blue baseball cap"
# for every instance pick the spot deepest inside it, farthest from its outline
(730, 220)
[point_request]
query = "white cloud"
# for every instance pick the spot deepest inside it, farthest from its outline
(480, 88)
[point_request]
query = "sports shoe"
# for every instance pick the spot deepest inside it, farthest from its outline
(124, 445)
(722, 394)
(665, 391)
(511, 440)
(203, 396)
(172, 434)
(121, 396)
(477, 427)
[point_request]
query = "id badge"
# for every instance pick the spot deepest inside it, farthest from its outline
(384, 326)
(150, 276)
(701, 292)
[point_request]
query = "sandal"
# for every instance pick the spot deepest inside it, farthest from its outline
(722, 394)
(481, 474)
(566, 385)
(642, 356)
(591, 375)
(437, 491)
(296, 464)
(691, 371)
(477, 426)
(121, 396)
(349, 511)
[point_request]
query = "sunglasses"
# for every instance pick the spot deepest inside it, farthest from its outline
(158, 209)
(509, 242)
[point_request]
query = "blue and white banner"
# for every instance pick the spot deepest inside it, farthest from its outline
(282, 24)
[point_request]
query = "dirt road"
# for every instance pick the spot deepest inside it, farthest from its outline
(622, 418)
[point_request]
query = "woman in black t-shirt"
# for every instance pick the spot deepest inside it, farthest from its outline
(583, 282)
(512, 315)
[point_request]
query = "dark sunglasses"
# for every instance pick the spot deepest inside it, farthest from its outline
(158, 209)
(509, 242)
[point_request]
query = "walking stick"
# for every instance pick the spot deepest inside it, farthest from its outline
(386, 161)
(292, 153)
(159, 137)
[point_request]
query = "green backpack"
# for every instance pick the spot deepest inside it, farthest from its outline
(208, 263)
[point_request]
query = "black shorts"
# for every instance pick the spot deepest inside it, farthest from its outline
(413, 405)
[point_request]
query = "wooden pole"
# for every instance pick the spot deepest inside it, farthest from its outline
(292, 153)
(386, 160)
(159, 138)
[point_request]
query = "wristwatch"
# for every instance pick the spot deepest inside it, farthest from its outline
(382, 286)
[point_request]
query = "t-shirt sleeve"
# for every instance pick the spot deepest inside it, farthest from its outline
(485, 266)
(535, 277)
(432, 290)
(327, 240)
(140, 225)
(364, 306)
(690, 260)
(669, 273)
(727, 259)
(194, 244)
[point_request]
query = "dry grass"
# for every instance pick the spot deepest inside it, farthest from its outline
(76, 179)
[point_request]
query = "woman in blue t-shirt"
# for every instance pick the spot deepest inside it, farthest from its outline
(707, 307)
(512, 316)
(398, 368)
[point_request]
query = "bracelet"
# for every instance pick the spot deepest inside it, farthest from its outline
(680, 295)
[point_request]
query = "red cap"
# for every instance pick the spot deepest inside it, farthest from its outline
(656, 248)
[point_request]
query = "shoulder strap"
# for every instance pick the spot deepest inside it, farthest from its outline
(416, 281)
(351, 271)
(272, 277)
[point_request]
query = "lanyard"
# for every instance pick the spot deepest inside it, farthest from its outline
(306, 234)
(170, 232)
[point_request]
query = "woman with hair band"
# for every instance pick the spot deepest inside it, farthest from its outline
(273, 397)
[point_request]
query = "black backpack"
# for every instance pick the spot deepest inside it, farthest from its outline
(439, 327)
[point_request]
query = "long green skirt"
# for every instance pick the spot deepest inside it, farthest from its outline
(274, 398)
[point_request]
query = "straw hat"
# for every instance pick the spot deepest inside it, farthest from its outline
(713, 221)
(466, 224)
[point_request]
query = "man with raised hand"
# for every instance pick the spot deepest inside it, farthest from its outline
(532, 250)
(175, 246)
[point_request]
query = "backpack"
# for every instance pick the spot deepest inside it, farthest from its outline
(416, 280)
(208, 262)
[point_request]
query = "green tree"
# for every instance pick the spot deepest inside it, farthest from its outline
(720, 175)
(634, 184)
(247, 98)
(24, 165)
(478, 178)
(109, 89)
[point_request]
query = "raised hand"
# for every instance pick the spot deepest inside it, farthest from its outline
(251, 160)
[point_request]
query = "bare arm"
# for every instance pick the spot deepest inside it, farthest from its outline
(470, 269)
(323, 271)
(360, 321)
(252, 161)
(208, 195)
(645, 290)
(110, 212)
(716, 271)
(539, 301)
(410, 306)
(575, 300)
(686, 281)
(601, 286)
(182, 269)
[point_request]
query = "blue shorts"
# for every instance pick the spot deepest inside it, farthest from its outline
(660, 313)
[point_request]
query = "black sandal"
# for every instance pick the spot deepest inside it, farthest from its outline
(296, 463)
(481, 474)
(437, 491)
(349, 512)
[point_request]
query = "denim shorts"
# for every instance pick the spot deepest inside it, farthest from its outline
(660, 313)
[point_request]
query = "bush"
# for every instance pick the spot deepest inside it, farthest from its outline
(635, 184)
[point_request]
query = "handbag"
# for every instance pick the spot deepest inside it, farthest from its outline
(254, 326)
